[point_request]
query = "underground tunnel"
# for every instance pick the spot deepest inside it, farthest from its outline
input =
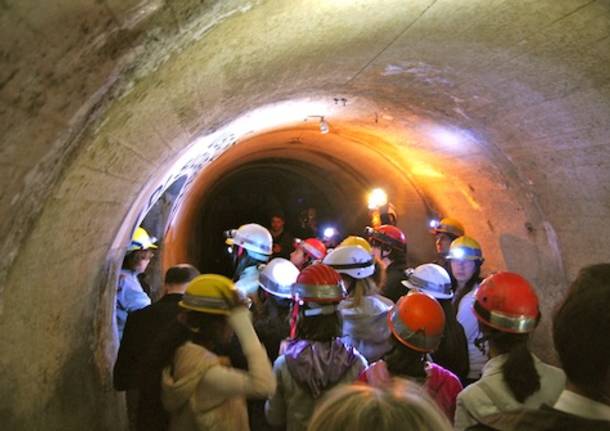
(495, 113)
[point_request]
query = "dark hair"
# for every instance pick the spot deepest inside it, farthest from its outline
(324, 327)
(580, 331)
(133, 258)
(452, 353)
(518, 371)
(470, 284)
(201, 328)
(180, 274)
(404, 361)
(272, 324)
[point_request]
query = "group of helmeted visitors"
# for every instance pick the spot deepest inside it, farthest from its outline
(353, 338)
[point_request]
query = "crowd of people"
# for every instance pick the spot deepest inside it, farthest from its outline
(308, 338)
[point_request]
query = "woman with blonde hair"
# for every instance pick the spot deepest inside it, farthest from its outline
(364, 311)
(402, 405)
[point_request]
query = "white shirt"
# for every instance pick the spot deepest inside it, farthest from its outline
(469, 322)
(491, 395)
(571, 402)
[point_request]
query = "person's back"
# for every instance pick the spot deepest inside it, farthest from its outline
(513, 378)
(491, 395)
(316, 360)
(416, 324)
(305, 372)
(365, 327)
(580, 332)
(132, 369)
(363, 312)
(199, 389)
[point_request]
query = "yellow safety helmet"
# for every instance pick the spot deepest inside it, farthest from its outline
(357, 240)
(210, 293)
(450, 226)
(141, 240)
(465, 248)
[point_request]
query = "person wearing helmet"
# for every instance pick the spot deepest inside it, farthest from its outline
(390, 249)
(272, 322)
(452, 352)
(445, 232)
(130, 295)
(580, 332)
(307, 252)
(507, 309)
(143, 397)
(466, 257)
(416, 323)
(199, 390)
(357, 240)
(316, 360)
(251, 245)
(363, 312)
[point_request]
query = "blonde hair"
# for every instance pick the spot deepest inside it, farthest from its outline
(403, 405)
(362, 287)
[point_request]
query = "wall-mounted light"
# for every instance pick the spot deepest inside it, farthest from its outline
(324, 126)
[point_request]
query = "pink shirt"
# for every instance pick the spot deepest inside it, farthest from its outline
(441, 384)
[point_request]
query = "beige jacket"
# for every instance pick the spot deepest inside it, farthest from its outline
(490, 395)
(202, 394)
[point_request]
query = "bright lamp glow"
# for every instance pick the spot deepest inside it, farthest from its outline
(377, 198)
(434, 223)
(458, 253)
(329, 232)
(285, 275)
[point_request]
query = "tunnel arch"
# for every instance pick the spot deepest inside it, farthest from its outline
(102, 109)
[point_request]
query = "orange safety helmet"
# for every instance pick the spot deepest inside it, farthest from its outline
(507, 302)
(417, 321)
(313, 247)
(388, 235)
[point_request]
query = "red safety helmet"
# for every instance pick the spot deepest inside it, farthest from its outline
(313, 247)
(319, 283)
(507, 302)
(388, 235)
(417, 321)
(319, 289)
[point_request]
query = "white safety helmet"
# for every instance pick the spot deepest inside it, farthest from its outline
(278, 276)
(351, 260)
(429, 278)
(254, 238)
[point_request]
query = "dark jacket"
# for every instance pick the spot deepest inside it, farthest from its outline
(543, 419)
(141, 330)
(452, 352)
(395, 273)
(284, 244)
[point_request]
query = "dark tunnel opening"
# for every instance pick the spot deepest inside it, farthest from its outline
(255, 192)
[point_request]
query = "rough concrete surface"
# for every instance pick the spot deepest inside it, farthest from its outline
(495, 112)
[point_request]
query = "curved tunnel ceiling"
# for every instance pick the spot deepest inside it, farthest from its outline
(494, 112)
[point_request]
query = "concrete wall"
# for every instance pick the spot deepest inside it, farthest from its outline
(494, 112)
